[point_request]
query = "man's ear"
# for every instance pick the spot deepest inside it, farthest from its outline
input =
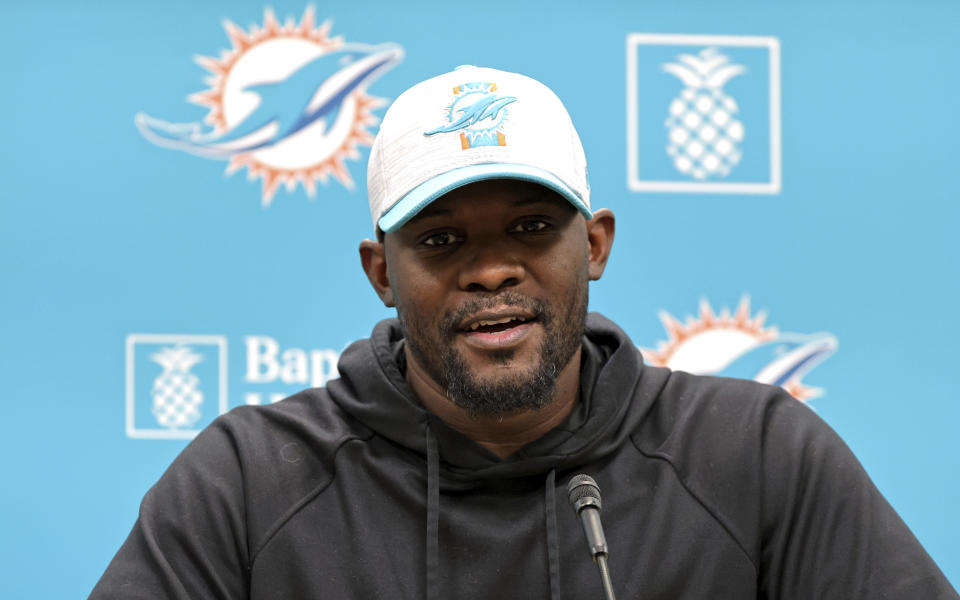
(600, 231)
(374, 261)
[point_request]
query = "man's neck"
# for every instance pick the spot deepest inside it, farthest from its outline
(501, 434)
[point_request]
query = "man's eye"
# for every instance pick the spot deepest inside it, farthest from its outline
(439, 239)
(532, 226)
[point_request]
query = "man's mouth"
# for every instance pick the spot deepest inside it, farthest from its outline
(497, 325)
(498, 329)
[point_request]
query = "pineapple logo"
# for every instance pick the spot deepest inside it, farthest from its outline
(703, 133)
(175, 393)
(170, 402)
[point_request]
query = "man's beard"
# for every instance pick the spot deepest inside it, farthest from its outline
(432, 345)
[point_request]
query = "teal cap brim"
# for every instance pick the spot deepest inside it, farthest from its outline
(428, 191)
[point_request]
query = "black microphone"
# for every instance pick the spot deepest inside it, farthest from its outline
(584, 495)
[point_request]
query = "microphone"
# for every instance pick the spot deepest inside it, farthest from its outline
(584, 495)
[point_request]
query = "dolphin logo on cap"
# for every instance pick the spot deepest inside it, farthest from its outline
(488, 107)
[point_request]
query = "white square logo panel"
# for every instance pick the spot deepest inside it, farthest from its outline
(176, 384)
(703, 114)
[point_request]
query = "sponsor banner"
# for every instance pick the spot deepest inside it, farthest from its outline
(177, 384)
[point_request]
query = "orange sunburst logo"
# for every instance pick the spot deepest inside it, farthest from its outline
(738, 344)
(287, 102)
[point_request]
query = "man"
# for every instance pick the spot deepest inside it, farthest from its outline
(437, 465)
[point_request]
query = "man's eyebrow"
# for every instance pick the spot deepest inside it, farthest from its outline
(535, 199)
(432, 210)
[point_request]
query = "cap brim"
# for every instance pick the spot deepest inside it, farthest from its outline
(430, 190)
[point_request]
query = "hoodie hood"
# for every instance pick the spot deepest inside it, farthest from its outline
(616, 392)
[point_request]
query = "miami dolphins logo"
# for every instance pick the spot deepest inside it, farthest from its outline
(287, 102)
(738, 345)
(478, 113)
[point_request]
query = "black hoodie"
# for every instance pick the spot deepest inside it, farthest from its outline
(712, 488)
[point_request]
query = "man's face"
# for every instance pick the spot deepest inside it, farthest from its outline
(490, 284)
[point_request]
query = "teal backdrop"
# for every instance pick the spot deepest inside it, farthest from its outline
(137, 276)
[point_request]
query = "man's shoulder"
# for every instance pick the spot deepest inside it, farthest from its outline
(730, 420)
(259, 461)
(685, 398)
(731, 443)
(309, 419)
(288, 445)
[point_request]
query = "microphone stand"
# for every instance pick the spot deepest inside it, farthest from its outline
(601, 560)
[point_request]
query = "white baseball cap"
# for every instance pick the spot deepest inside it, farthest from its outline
(469, 125)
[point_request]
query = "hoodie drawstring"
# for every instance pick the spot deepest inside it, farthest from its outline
(433, 523)
(550, 516)
(433, 516)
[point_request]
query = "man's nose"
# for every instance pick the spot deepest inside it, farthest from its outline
(490, 268)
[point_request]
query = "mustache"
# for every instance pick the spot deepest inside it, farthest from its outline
(450, 323)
